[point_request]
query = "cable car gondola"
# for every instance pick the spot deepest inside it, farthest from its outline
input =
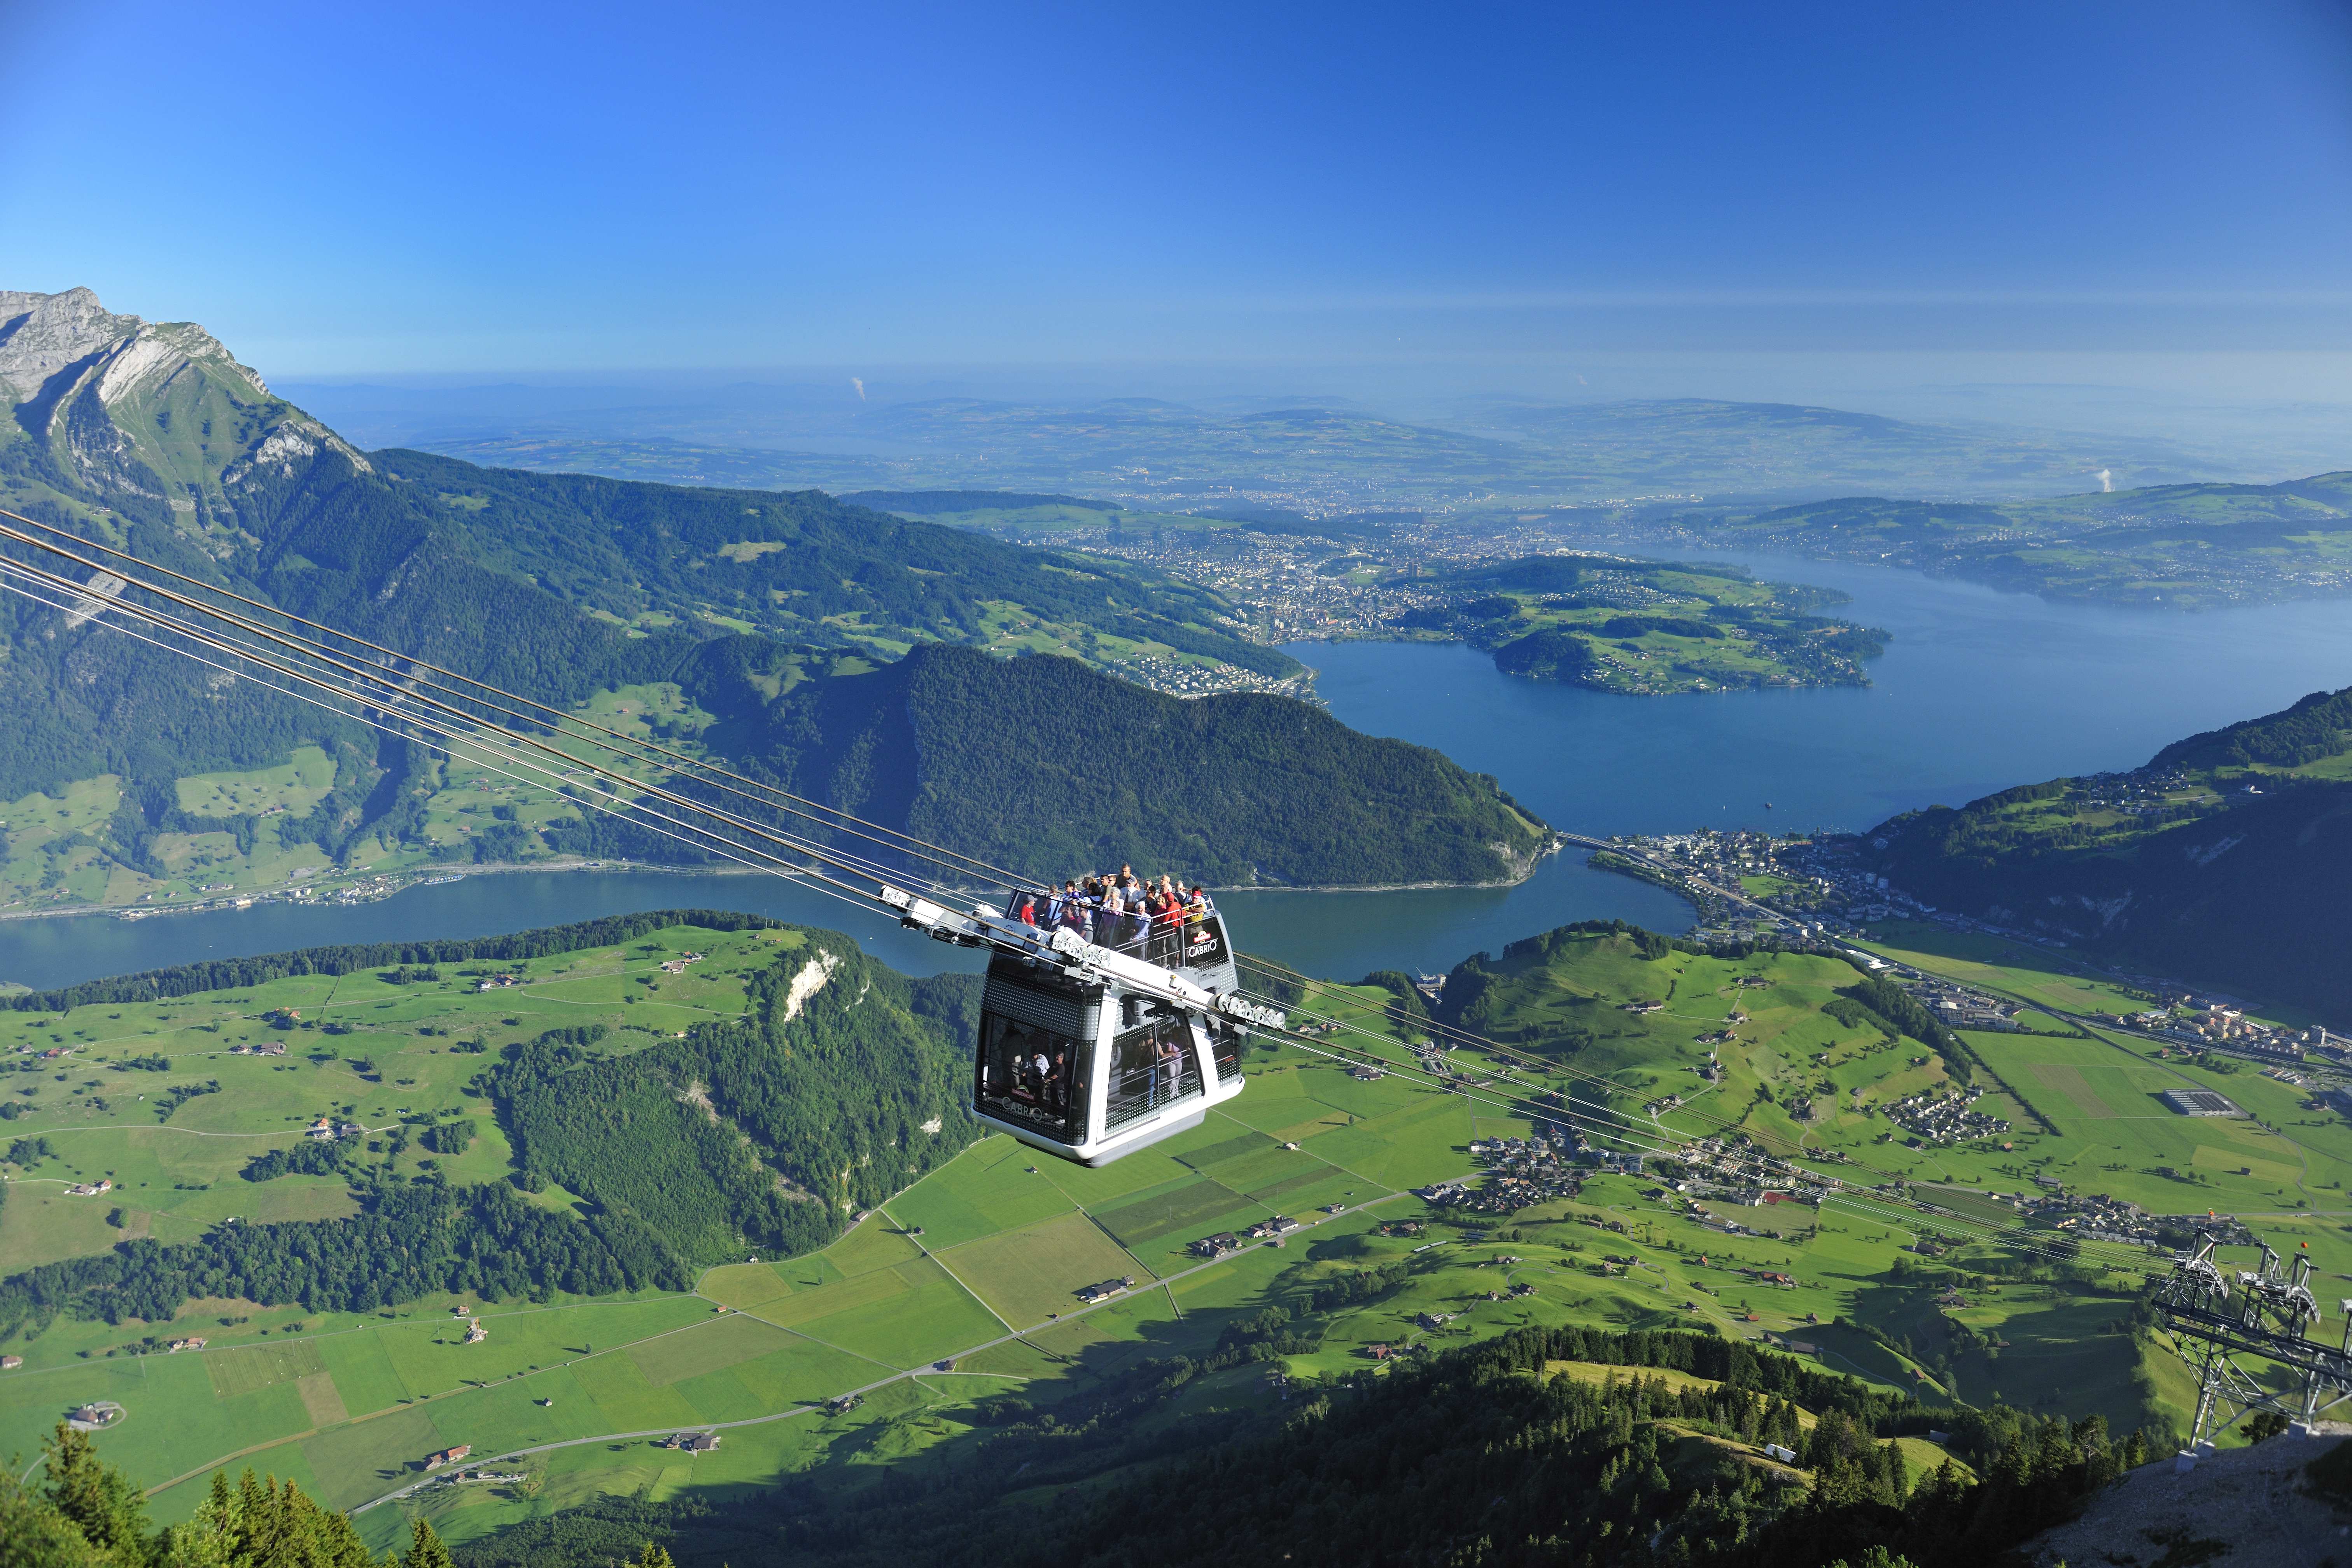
(1089, 1050)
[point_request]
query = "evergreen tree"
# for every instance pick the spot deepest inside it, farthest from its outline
(94, 1497)
(424, 1549)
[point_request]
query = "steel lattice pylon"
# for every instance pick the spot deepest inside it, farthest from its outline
(2262, 1315)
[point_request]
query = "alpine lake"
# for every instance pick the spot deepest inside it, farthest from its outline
(1978, 691)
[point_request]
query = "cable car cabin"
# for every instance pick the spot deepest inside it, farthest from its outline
(1089, 1068)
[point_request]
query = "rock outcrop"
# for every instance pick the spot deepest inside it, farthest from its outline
(2252, 1506)
(156, 416)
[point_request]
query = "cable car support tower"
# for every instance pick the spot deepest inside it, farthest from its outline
(2247, 1338)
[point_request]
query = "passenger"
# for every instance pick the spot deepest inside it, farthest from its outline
(1172, 1064)
(1061, 1080)
(1039, 1067)
(1167, 927)
(1123, 912)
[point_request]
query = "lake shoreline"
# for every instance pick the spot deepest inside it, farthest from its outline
(276, 896)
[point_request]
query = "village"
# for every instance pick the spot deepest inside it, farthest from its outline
(1931, 1116)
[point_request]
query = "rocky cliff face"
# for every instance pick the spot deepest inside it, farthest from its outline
(116, 414)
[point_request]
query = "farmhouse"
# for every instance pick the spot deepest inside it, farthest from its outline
(1105, 1291)
(447, 1456)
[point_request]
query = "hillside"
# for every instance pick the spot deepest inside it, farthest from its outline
(551, 1157)
(2218, 862)
(806, 569)
(653, 1123)
(1043, 766)
(128, 776)
(2178, 545)
(1644, 626)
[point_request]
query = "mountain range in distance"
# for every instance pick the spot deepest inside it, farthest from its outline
(1327, 454)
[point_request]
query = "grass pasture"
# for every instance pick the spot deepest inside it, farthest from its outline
(350, 1403)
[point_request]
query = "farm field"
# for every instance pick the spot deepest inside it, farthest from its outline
(960, 1293)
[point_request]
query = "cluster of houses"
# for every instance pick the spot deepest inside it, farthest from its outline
(447, 1457)
(1946, 1118)
(678, 965)
(692, 1442)
(1519, 1172)
(2095, 1216)
(1225, 1243)
(477, 1477)
(326, 1129)
(497, 981)
(176, 1346)
(266, 1048)
(1959, 1007)
(2209, 1024)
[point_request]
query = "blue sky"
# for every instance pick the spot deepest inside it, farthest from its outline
(359, 189)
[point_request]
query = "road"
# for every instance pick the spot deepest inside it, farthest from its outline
(909, 1374)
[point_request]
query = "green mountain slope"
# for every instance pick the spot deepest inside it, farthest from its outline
(128, 776)
(2222, 861)
(1616, 623)
(805, 567)
(1043, 766)
(2182, 545)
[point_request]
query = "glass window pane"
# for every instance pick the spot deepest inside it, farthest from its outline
(1151, 1068)
(1030, 1075)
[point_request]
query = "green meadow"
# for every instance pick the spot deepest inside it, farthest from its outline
(962, 1291)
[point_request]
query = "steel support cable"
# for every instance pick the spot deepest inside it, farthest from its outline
(800, 805)
(1520, 1057)
(479, 736)
(371, 675)
(1897, 1218)
(400, 693)
(641, 748)
(1459, 1036)
(1863, 1199)
(1526, 1059)
(611, 805)
(1282, 973)
(615, 804)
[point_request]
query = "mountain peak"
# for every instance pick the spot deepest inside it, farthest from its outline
(44, 336)
(157, 415)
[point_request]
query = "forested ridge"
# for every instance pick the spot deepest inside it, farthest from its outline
(797, 565)
(1470, 1456)
(763, 1132)
(349, 958)
(765, 608)
(1047, 767)
(411, 1240)
(767, 1131)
